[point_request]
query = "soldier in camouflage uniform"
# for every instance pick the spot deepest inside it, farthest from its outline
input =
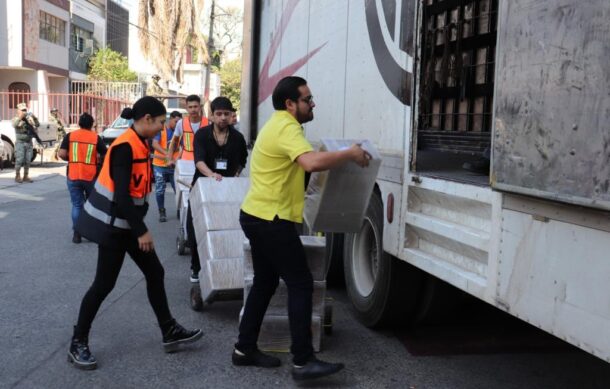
(61, 130)
(26, 125)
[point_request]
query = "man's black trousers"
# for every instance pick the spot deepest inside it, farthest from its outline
(277, 252)
(192, 241)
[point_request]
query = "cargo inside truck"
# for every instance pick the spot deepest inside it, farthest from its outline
(455, 94)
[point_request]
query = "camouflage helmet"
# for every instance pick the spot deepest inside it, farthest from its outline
(156, 77)
(22, 107)
(54, 110)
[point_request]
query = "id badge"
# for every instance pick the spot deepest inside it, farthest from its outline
(221, 164)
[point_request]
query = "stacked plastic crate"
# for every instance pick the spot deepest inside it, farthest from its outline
(275, 330)
(183, 176)
(215, 207)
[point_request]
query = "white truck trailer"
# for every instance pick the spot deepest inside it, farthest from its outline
(439, 86)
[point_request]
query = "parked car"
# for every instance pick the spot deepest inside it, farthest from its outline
(120, 125)
(47, 133)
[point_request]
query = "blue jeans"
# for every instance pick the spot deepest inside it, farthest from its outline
(79, 191)
(163, 175)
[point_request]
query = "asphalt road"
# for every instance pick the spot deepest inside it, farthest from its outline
(43, 277)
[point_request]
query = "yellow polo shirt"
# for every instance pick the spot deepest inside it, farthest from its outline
(277, 182)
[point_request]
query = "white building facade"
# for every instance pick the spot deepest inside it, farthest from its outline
(87, 33)
(34, 46)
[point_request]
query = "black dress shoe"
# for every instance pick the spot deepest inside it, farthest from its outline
(254, 358)
(315, 369)
(177, 335)
(80, 355)
(76, 238)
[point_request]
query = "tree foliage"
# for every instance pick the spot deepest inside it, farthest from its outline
(230, 81)
(109, 65)
(166, 29)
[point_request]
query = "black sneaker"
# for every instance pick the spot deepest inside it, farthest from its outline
(315, 369)
(80, 356)
(176, 335)
(254, 358)
(162, 216)
(76, 238)
(194, 277)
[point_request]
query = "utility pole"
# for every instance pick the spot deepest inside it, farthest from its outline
(206, 91)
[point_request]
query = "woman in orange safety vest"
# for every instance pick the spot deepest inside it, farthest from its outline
(113, 217)
(81, 149)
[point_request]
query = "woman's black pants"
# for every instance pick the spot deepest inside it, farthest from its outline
(109, 263)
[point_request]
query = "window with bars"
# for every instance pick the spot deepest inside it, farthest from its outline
(457, 75)
(52, 29)
(78, 36)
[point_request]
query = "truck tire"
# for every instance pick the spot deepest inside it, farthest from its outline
(334, 259)
(383, 290)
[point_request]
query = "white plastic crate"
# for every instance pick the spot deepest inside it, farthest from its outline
(220, 275)
(220, 244)
(336, 200)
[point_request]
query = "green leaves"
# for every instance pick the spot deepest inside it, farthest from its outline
(109, 65)
(230, 81)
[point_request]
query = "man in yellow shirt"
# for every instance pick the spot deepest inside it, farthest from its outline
(273, 205)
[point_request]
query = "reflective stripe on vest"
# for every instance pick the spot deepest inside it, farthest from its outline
(158, 158)
(189, 135)
(188, 138)
(101, 202)
(82, 155)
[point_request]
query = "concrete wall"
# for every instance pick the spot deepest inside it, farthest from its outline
(58, 85)
(4, 34)
(11, 36)
(8, 76)
(49, 53)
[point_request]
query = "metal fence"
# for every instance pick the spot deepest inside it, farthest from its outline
(130, 91)
(70, 106)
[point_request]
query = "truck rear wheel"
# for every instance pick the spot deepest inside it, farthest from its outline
(383, 289)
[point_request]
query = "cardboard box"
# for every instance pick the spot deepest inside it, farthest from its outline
(336, 200)
(215, 208)
(229, 190)
(220, 244)
(220, 275)
(217, 216)
(183, 174)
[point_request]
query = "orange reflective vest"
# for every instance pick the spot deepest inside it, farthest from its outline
(99, 220)
(188, 138)
(82, 155)
(158, 158)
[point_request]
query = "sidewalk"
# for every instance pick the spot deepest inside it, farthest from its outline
(48, 177)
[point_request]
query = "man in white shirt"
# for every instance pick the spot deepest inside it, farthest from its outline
(186, 129)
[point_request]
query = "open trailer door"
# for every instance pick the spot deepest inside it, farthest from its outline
(552, 118)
